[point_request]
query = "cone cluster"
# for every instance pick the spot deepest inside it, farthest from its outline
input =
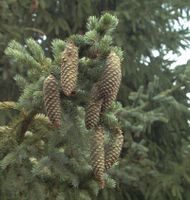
(69, 69)
(52, 100)
(69, 73)
(106, 91)
(102, 158)
(103, 93)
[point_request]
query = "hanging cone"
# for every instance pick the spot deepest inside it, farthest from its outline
(97, 156)
(52, 100)
(109, 83)
(69, 69)
(113, 150)
(93, 109)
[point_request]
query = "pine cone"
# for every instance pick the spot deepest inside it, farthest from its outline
(93, 109)
(52, 100)
(113, 150)
(97, 155)
(69, 69)
(109, 83)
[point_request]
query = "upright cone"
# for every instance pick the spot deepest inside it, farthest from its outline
(109, 83)
(113, 150)
(97, 155)
(52, 100)
(93, 109)
(69, 69)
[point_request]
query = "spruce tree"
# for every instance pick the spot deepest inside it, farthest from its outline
(50, 157)
(152, 111)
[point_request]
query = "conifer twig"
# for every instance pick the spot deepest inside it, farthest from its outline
(35, 30)
(25, 124)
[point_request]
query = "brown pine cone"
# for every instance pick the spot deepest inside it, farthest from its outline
(69, 69)
(52, 100)
(113, 150)
(109, 83)
(93, 109)
(97, 155)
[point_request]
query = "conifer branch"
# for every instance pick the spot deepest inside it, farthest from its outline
(7, 105)
(25, 125)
